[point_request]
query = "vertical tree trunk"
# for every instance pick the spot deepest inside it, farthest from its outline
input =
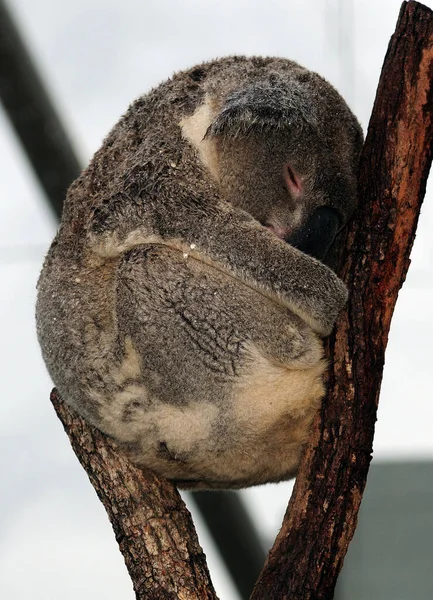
(308, 553)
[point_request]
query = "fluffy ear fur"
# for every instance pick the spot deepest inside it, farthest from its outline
(172, 313)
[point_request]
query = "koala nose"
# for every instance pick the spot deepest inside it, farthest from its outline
(278, 230)
(315, 237)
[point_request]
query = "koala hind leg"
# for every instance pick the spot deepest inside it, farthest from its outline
(232, 379)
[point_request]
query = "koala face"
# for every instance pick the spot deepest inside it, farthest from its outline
(288, 159)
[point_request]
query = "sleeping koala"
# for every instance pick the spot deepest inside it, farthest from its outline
(182, 303)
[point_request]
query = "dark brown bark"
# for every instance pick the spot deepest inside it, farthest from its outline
(308, 553)
(152, 525)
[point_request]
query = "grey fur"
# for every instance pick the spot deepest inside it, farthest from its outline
(165, 303)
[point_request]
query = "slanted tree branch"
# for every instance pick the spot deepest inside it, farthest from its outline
(321, 518)
(151, 523)
(152, 526)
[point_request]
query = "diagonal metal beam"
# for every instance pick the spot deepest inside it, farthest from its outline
(235, 536)
(33, 115)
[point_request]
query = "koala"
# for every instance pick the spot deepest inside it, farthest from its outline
(182, 305)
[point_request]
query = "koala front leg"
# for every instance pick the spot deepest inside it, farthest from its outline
(234, 242)
(252, 253)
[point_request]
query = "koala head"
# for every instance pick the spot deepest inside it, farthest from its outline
(287, 148)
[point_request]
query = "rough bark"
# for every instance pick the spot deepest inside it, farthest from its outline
(151, 523)
(152, 526)
(308, 553)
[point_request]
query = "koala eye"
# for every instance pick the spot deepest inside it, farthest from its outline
(293, 181)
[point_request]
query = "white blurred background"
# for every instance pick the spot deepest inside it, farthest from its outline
(96, 56)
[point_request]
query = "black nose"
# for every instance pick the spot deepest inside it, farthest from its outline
(315, 237)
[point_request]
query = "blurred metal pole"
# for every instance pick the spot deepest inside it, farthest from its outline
(235, 536)
(340, 33)
(55, 163)
(33, 115)
(346, 49)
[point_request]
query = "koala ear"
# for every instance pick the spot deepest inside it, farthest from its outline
(272, 104)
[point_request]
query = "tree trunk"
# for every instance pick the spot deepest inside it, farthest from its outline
(152, 525)
(321, 518)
